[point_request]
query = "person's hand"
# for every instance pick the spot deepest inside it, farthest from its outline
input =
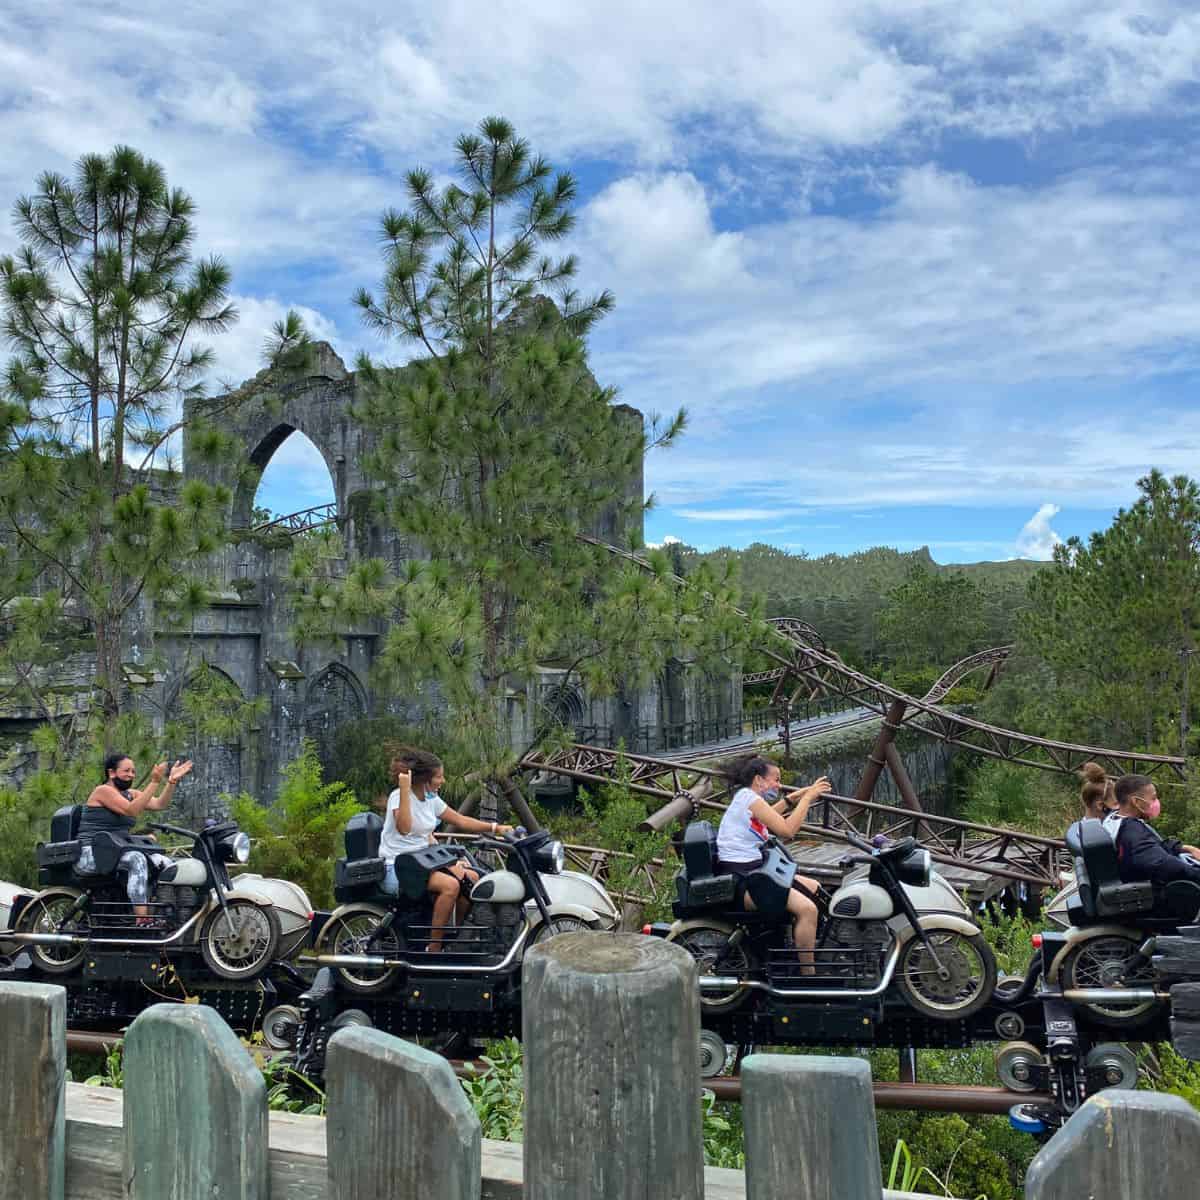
(179, 770)
(503, 830)
(817, 788)
(403, 776)
(157, 772)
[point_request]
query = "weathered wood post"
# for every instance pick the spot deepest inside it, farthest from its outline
(1121, 1146)
(195, 1109)
(399, 1123)
(810, 1128)
(611, 1029)
(33, 1072)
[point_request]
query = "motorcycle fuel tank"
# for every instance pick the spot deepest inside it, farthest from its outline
(499, 887)
(861, 900)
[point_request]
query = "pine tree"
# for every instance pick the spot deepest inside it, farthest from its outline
(103, 304)
(496, 450)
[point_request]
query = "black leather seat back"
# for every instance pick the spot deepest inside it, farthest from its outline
(1106, 895)
(363, 831)
(699, 850)
(64, 825)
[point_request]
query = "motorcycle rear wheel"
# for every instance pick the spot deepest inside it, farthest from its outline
(704, 943)
(44, 914)
(248, 948)
(972, 967)
(1096, 963)
(351, 934)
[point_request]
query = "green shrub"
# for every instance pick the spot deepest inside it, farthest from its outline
(300, 835)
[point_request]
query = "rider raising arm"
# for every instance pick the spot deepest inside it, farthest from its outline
(117, 795)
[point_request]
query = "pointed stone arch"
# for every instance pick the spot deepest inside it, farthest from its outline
(219, 758)
(334, 698)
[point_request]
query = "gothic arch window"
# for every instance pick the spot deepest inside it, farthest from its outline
(563, 704)
(335, 698)
(288, 473)
(205, 723)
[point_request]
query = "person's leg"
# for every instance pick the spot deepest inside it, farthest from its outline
(445, 895)
(804, 928)
(137, 882)
(467, 879)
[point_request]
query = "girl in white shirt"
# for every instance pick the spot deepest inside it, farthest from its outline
(414, 810)
(755, 812)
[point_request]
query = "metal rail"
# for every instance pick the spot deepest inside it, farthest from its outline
(304, 521)
(925, 1097)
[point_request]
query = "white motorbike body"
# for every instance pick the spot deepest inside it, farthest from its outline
(291, 905)
(8, 894)
(874, 903)
(573, 891)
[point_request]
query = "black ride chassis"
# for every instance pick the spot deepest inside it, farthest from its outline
(108, 992)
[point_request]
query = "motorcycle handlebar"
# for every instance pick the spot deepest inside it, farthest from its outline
(861, 843)
(187, 833)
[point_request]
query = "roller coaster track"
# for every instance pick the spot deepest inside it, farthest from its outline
(684, 789)
(818, 672)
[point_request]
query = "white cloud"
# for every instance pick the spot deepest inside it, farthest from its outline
(668, 540)
(1037, 539)
(735, 514)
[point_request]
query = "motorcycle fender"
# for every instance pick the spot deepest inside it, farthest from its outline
(588, 915)
(344, 911)
(678, 928)
(1073, 936)
(905, 932)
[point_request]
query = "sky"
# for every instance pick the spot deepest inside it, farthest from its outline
(920, 271)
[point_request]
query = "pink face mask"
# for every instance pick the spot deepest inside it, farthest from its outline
(1153, 809)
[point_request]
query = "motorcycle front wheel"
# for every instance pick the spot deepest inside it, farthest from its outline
(970, 974)
(705, 944)
(352, 934)
(240, 940)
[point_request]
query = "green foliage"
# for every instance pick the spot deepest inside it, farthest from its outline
(999, 793)
(613, 818)
(493, 454)
(299, 836)
(932, 618)
(724, 1135)
(24, 821)
(104, 307)
(497, 1092)
(1164, 1070)
(1111, 625)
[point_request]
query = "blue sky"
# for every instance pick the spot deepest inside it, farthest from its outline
(921, 271)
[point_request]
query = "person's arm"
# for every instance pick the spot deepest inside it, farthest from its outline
(787, 827)
(127, 806)
(178, 771)
(472, 824)
(1146, 857)
(402, 814)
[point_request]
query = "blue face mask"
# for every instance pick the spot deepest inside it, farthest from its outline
(771, 794)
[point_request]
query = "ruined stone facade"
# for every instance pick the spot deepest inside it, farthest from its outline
(310, 690)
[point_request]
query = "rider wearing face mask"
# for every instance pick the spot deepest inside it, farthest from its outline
(1141, 853)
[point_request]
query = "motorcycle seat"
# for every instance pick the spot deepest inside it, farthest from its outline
(1102, 894)
(699, 883)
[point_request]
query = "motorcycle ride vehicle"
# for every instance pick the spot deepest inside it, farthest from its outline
(1101, 952)
(893, 920)
(239, 927)
(373, 939)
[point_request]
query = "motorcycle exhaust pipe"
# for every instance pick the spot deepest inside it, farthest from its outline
(1112, 995)
(46, 939)
(356, 960)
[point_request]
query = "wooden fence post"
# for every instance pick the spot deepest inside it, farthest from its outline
(399, 1122)
(195, 1109)
(1121, 1146)
(33, 1072)
(611, 1031)
(810, 1128)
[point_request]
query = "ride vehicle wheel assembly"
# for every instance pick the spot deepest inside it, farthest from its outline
(240, 940)
(354, 933)
(1101, 963)
(1018, 1064)
(707, 944)
(958, 983)
(280, 1027)
(1117, 1063)
(46, 914)
(713, 1054)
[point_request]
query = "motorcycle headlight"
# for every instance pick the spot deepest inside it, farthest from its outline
(235, 848)
(551, 858)
(914, 868)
